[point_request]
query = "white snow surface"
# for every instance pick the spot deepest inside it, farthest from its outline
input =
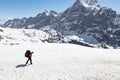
(59, 62)
(17, 36)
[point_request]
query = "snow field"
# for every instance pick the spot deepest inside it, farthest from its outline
(59, 62)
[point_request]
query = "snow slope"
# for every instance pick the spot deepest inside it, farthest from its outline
(17, 36)
(59, 62)
(10, 36)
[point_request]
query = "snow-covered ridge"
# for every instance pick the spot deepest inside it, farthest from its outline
(89, 2)
(17, 36)
(10, 36)
(42, 19)
(50, 12)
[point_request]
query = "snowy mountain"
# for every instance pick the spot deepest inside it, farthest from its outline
(89, 2)
(43, 19)
(85, 19)
(91, 20)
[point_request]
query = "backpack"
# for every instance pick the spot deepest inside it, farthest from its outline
(27, 53)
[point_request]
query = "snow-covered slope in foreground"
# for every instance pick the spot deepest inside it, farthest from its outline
(59, 62)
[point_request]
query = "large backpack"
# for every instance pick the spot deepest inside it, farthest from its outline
(27, 53)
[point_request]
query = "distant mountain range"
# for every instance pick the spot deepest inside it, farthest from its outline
(85, 19)
(3, 20)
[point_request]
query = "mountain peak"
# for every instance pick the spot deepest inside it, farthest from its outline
(48, 12)
(88, 2)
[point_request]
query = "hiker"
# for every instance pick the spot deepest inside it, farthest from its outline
(28, 54)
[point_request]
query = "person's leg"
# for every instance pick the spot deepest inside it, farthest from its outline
(27, 61)
(30, 61)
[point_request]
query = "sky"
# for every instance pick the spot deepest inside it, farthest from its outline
(28, 8)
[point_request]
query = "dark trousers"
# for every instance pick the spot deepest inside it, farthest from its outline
(29, 59)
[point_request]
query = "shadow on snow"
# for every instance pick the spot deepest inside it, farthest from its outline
(21, 65)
